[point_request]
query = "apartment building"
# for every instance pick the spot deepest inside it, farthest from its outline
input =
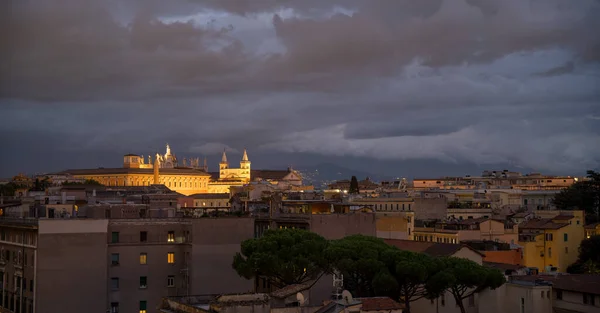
(456, 231)
(551, 239)
(125, 258)
(556, 293)
(496, 180)
(18, 242)
(592, 230)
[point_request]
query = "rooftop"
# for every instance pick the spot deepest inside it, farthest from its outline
(584, 283)
(122, 170)
(379, 304)
(431, 248)
(541, 223)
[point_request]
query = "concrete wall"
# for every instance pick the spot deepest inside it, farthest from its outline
(337, 226)
(394, 225)
(216, 241)
(574, 301)
(430, 208)
(72, 266)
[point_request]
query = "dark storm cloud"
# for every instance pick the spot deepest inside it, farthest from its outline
(456, 80)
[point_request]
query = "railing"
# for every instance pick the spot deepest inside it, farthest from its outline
(156, 239)
(24, 221)
(195, 299)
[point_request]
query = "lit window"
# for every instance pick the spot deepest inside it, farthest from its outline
(143, 258)
(143, 306)
(171, 258)
(171, 236)
(170, 281)
(143, 282)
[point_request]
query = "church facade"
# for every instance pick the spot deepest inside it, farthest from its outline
(186, 177)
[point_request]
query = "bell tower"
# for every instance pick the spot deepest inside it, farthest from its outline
(224, 164)
(245, 166)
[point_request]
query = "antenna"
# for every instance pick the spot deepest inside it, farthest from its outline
(347, 296)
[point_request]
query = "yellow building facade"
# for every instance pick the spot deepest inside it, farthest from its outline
(395, 225)
(551, 240)
(592, 230)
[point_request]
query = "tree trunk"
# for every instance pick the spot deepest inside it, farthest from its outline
(406, 305)
(461, 305)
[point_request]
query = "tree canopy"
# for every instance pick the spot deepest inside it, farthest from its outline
(582, 195)
(588, 261)
(359, 259)
(353, 186)
(86, 182)
(370, 267)
(408, 276)
(462, 278)
(284, 257)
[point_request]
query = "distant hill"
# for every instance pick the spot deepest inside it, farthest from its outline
(325, 173)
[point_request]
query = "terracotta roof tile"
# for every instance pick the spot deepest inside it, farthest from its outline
(290, 290)
(584, 283)
(541, 223)
(431, 248)
(563, 217)
(122, 170)
(379, 304)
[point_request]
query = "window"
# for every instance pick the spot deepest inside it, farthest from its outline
(542, 294)
(559, 294)
(566, 237)
(143, 236)
(170, 281)
(549, 237)
(115, 237)
(114, 307)
(589, 299)
(114, 283)
(443, 299)
(171, 257)
(548, 294)
(114, 259)
(472, 300)
(171, 236)
(566, 250)
(143, 305)
(143, 258)
(522, 305)
(549, 252)
(402, 206)
(143, 282)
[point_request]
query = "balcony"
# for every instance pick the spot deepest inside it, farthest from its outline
(19, 221)
(150, 240)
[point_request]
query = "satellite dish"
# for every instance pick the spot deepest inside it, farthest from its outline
(347, 296)
(300, 298)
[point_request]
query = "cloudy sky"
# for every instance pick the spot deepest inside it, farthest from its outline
(399, 85)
